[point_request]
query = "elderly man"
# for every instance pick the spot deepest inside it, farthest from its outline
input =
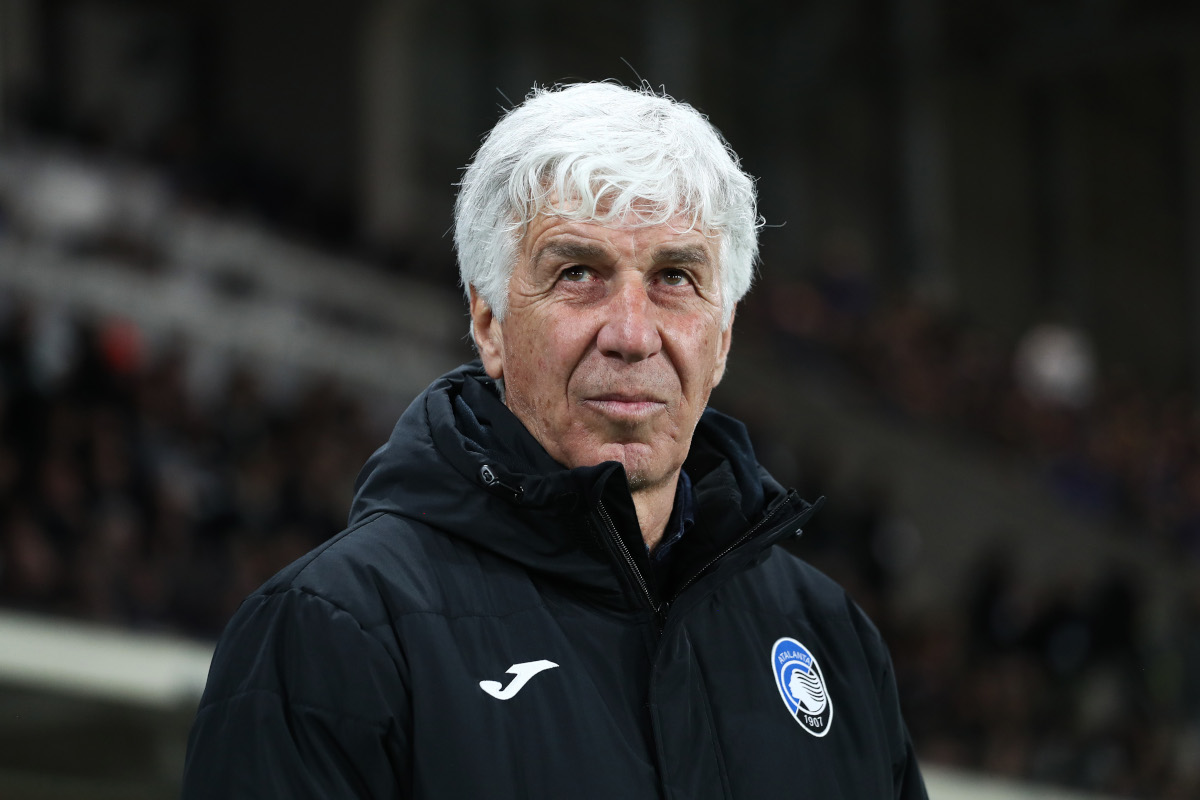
(560, 577)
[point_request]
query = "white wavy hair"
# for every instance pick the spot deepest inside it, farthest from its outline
(602, 152)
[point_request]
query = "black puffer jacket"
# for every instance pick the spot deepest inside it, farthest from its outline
(489, 627)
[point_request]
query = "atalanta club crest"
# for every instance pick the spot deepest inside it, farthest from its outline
(802, 686)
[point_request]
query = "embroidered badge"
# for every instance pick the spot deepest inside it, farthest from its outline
(802, 686)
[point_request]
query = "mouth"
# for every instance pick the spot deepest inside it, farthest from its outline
(632, 407)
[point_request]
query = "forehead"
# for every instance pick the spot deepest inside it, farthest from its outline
(677, 238)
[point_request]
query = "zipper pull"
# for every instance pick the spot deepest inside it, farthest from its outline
(489, 478)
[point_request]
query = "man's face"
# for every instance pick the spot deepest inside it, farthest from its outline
(611, 344)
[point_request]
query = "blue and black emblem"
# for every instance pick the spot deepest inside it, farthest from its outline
(802, 686)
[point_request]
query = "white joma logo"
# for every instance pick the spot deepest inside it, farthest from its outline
(522, 673)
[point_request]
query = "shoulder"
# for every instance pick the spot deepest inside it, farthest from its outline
(802, 592)
(388, 567)
(792, 581)
(338, 611)
(380, 558)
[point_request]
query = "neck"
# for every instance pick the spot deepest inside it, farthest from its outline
(653, 505)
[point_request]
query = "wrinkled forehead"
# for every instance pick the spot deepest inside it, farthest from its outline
(580, 237)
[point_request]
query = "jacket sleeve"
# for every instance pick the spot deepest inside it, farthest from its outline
(907, 780)
(907, 783)
(301, 702)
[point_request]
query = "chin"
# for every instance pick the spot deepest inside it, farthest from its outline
(638, 480)
(644, 466)
(643, 473)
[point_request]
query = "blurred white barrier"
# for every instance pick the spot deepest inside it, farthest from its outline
(60, 197)
(103, 663)
(294, 273)
(269, 329)
(950, 784)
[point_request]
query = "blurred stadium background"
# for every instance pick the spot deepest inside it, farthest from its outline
(224, 271)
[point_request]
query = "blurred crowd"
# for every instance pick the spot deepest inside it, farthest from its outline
(127, 500)
(1066, 684)
(1121, 454)
(1058, 686)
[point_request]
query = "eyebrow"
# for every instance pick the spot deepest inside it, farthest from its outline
(693, 255)
(571, 251)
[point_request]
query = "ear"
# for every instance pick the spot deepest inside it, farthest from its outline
(489, 338)
(726, 341)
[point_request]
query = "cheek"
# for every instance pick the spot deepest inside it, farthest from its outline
(542, 358)
(699, 352)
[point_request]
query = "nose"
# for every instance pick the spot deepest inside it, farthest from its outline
(630, 330)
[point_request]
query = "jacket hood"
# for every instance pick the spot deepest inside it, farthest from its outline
(458, 460)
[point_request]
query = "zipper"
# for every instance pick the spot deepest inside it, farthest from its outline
(740, 541)
(489, 478)
(660, 609)
(633, 567)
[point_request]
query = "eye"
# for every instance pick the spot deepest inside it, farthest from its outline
(576, 274)
(674, 277)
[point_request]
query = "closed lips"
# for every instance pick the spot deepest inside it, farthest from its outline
(620, 398)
